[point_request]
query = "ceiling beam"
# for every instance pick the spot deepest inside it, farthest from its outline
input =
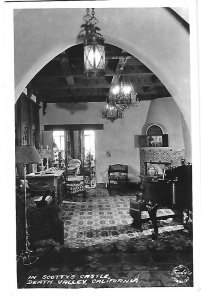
(100, 98)
(101, 93)
(67, 93)
(43, 88)
(63, 79)
(74, 127)
(43, 79)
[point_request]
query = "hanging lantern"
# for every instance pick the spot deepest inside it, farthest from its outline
(94, 49)
(111, 111)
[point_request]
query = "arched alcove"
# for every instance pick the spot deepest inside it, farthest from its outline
(154, 129)
(147, 127)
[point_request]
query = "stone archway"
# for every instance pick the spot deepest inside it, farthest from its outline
(153, 35)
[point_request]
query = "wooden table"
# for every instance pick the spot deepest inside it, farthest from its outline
(54, 179)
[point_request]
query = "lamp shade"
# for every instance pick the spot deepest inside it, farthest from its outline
(26, 155)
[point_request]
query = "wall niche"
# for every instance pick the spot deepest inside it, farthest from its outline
(154, 137)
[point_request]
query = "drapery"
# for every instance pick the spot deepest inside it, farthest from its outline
(74, 145)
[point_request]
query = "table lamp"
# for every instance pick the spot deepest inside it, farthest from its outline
(26, 155)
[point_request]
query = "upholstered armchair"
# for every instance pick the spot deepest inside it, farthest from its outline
(72, 186)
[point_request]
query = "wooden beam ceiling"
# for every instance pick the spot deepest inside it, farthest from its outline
(63, 78)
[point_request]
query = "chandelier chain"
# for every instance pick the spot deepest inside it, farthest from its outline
(87, 17)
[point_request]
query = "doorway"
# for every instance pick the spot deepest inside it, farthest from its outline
(59, 148)
(76, 144)
(89, 144)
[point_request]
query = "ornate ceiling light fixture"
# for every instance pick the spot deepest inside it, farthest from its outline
(111, 111)
(94, 49)
(121, 96)
(124, 94)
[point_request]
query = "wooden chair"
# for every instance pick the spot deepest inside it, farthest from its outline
(117, 174)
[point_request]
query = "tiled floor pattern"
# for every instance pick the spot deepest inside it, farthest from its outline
(100, 240)
(101, 219)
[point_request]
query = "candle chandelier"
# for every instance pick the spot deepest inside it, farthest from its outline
(121, 96)
(111, 111)
(124, 94)
(94, 49)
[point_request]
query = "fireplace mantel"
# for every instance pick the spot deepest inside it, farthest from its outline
(164, 155)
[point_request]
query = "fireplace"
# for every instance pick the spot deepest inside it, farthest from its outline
(156, 168)
(159, 159)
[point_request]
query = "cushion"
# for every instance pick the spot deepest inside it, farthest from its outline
(74, 162)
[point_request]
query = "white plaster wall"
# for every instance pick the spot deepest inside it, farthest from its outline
(118, 136)
(153, 35)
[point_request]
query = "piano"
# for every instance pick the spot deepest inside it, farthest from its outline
(175, 190)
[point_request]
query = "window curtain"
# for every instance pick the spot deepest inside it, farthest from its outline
(70, 143)
(68, 146)
(81, 146)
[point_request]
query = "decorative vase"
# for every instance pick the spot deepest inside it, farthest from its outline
(152, 171)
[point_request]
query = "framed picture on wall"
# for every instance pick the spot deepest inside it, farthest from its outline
(154, 141)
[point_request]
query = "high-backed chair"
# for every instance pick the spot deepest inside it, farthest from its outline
(117, 174)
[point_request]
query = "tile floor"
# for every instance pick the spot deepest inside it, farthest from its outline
(104, 219)
(99, 241)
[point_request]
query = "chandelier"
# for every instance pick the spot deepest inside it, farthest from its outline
(94, 49)
(124, 94)
(121, 96)
(111, 111)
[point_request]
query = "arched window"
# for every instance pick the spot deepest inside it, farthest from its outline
(154, 137)
(154, 130)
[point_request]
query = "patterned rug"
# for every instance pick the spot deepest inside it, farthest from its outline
(103, 249)
(104, 220)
